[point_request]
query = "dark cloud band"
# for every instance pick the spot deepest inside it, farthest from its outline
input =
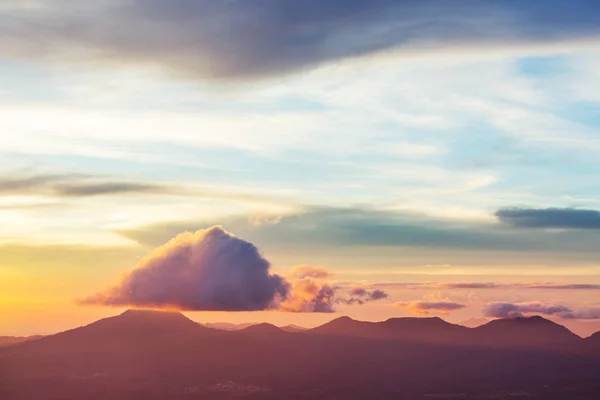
(519, 310)
(550, 218)
(254, 38)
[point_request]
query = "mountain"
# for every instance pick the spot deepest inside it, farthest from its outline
(293, 328)
(593, 342)
(418, 329)
(346, 326)
(154, 355)
(263, 328)
(532, 331)
(10, 340)
(141, 328)
(428, 329)
(474, 322)
(226, 326)
(580, 328)
(525, 331)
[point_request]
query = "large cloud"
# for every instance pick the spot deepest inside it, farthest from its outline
(557, 218)
(213, 270)
(207, 270)
(241, 39)
(428, 307)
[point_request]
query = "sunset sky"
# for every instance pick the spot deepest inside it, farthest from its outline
(444, 155)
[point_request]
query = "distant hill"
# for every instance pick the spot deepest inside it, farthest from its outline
(532, 331)
(419, 329)
(293, 328)
(263, 328)
(226, 326)
(526, 331)
(593, 342)
(10, 340)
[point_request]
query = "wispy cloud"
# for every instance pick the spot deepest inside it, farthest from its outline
(487, 285)
(429, 307)
(76, 186)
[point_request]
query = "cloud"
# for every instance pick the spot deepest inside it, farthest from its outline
(310, 295)
(376, 294)
(23, 184)
(107, 188)
(561, 286)
(515, 310)
(75, 186)
(556, 218)
(316, 228)
(360, 296)
(584, 313)
(213, 270)
(305, 271)
(428, 307)
(359, 292)
(488, 285)
(468, 285)
(310, 292)
(207, 270)
(245, 39)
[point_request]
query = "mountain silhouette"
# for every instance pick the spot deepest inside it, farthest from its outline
(263, 328)
(10, 340)
(293, 328)
(162, 355)
(419, 329)
(524, 331)
(121, 334)
(593, 342)
(226, 326)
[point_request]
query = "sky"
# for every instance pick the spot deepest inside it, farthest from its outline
(429, 158)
